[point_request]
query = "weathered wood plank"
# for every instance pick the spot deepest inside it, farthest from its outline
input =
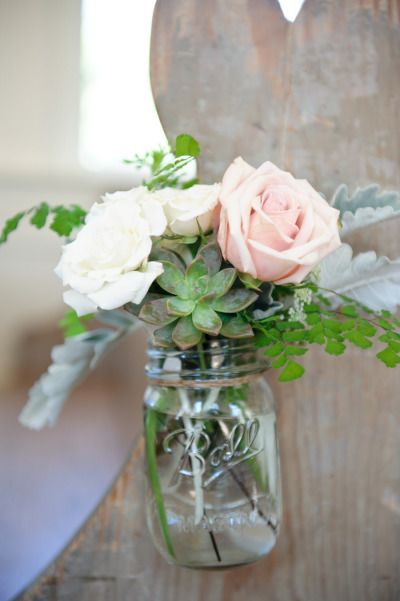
(319, 97)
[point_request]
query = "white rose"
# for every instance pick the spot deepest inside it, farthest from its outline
(187, 209)
(106, 265)
(150, 207)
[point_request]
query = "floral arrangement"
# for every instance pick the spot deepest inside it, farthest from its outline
(258, 255)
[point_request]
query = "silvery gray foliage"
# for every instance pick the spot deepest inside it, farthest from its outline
(265, 305)
(371, 280)
(365, 206)
(71, 363)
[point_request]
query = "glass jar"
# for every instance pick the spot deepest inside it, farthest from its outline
(213, 495)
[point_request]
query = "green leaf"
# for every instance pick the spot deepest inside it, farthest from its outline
(72, 325)
(40, 215)
(173, 280)
(274, 350)
(280, 361)
(186, 145)
(274, 334)
(295, 336)
(366, 328)
(197, 279)
(358, 339)
(325, 301)
(334, 335)
(349, 311)
(236, 327)
(212, 257)
(335, 348)
(206, 319)
(163, 336)
(311, 308)
(383, 323)
(222, 281)
(389, 357)
(296, 350)
(11, 225)
(313, 318)
(180, 307)
(262, 339)
(249, 282)
(235, 300)
(289, 325)
(292, 371)
(348, 324)
(389, 336)
(185, 335)
(332, 324)
(66, 219)
(316, 334)
(189, 183)
(156, 312)
(395, 346)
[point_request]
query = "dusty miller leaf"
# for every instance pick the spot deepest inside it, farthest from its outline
(365, 206)
(71, 363)
(371, 280)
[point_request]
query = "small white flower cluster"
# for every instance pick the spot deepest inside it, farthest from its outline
(301, 297)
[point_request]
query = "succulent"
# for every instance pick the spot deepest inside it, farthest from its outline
(201, 300)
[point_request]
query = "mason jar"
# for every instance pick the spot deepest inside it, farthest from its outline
(213, 493)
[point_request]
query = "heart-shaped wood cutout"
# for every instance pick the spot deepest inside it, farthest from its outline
(316, 96)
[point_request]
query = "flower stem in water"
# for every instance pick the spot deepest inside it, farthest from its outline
(151, 431)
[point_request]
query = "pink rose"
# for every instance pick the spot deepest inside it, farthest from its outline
(273, 226)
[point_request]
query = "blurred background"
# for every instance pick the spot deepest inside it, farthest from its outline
(75, 101)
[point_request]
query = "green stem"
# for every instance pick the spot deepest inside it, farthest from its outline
(202, 358)
(151, 430)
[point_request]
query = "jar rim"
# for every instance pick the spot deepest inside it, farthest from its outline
(215, 360)
(208, 347)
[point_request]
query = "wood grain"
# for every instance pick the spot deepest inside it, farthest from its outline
(319, 97)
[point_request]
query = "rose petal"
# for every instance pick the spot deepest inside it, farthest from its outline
(154, 215)
(130, 287)
(79, 302)
(237, 172)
